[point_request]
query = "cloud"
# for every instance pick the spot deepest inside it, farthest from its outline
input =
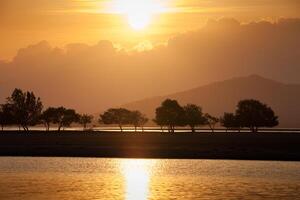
(91, 78)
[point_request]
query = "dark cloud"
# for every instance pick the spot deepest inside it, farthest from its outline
(91, 78)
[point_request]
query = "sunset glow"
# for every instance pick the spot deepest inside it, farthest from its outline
(139, 13)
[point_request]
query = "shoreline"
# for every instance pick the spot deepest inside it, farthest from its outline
(225, 146)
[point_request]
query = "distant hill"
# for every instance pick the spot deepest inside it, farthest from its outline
(223, 96)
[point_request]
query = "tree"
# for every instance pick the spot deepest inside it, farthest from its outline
(254, 114)
(6, 117)
(159, 123)
(143, 120)
(211, 121)
(194, 116)
(49, 116)
(120, 116)
(2, 119)
(170, 114)
(24, 108)
(138, 119)
(61, 116)
(67, 117)
(230, 121)
(85, 119)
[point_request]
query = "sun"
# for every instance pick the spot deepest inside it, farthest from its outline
(139, 13)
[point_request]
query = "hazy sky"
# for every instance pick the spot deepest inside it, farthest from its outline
(25, 22)
(93, 54)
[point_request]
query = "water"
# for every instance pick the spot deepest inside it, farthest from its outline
(146, 179)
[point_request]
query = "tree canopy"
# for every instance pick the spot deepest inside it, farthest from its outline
(230, 121)
(254, 114)
(170, 114)
(61, 116)
(193, 116)
(211, 121)
(22, 108)
(138, 119)
(119, 116)
(85, 119)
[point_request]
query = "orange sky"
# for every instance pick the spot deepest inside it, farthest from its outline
(60, 22)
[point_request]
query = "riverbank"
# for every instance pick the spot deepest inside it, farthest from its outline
(240, 146)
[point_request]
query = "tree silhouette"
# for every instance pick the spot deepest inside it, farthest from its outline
(68, 117)
(61, 116)
(6, 116)
(119, 116)
(254, 114)
(230, 121)
(49, 116)
(85, 119)
(24, 108)
(159, 123)
(211, 121)
(194, 116)
(143, 120)
(170, 114)
(3, 119)
(138, 119)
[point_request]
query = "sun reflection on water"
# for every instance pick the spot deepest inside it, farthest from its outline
(137, 174)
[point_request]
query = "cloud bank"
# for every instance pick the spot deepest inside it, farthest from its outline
(92, 78)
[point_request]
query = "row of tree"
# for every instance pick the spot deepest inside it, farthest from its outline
(249, 114)
(24, 109)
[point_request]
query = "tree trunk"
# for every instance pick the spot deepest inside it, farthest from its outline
(47, 126)
(25, 127)
(121, 128)
(193, 129)
(211, 128)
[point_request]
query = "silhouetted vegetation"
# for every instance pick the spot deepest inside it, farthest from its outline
(138, 120)
(122, 116)
(61, 116)
(22, 109)
(85, 119)
(193, 116)
(6, 116)
(170, 114)
(211, 121)
(49, 116)
(25, 109)
(119, 116)
(254, 114)
(230, 121)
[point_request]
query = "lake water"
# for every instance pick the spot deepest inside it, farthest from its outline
(146, 179)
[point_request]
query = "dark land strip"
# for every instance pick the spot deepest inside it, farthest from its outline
(238, 146)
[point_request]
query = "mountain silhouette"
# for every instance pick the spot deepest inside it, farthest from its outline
(219, 97)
